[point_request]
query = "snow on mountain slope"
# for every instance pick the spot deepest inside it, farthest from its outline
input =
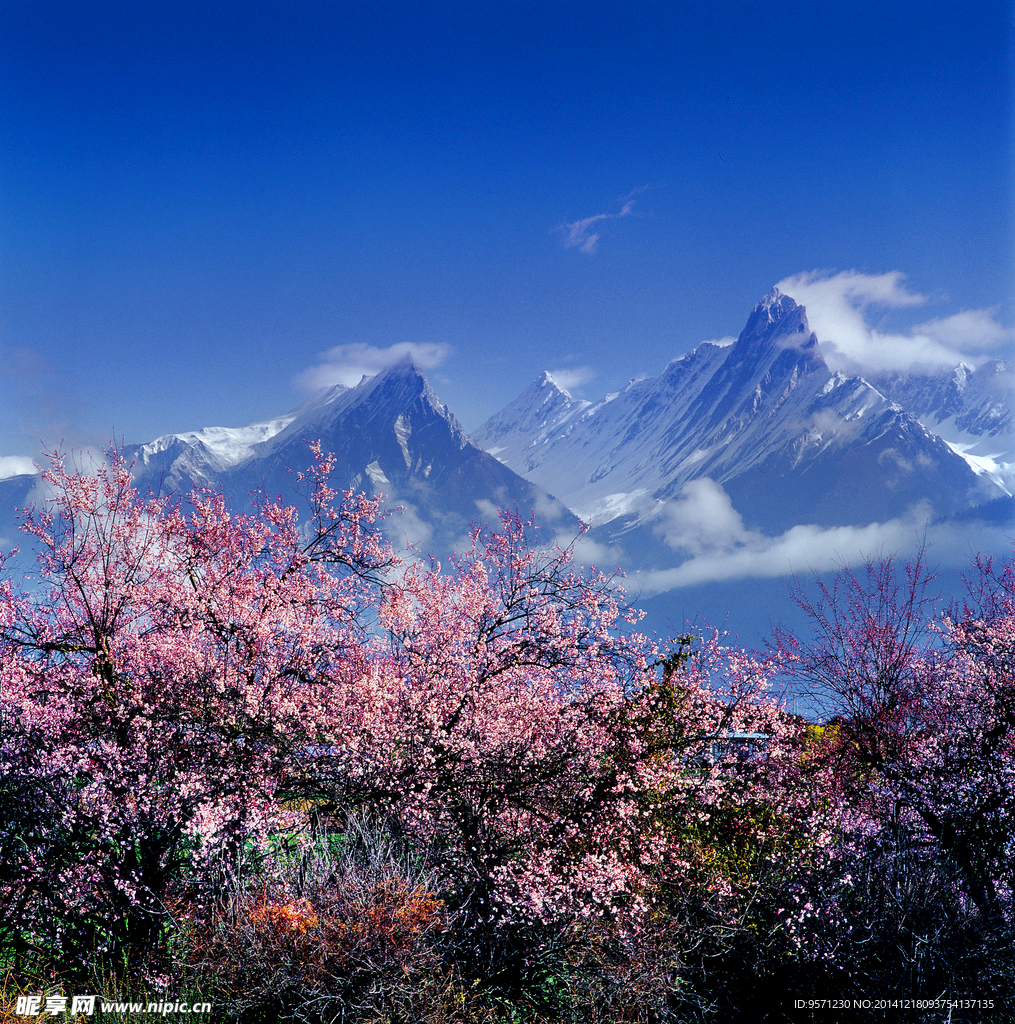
(390, 434)
(970, 409)
(197, 457)
(789, 440)
(597, 456)
(538, 414)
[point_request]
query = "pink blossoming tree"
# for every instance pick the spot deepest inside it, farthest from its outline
(921, 756)
(181, 683)
(156, 680)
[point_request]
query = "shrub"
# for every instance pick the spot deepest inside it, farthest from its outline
(345, 922)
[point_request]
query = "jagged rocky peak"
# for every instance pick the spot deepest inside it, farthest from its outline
(546, 396)
(777, 340)
(960, 375)
(538, 404)
(777, 315)
(398, 386)
(547, 381)
(542, 410)
(390, 388)
(403, 373)
(545, 390)
(778, 302)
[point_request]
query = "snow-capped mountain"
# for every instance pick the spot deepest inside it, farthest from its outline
(969, 408)
(540, 412)
(737, 463)
(199, 457)
(390, 434)
(789, 440)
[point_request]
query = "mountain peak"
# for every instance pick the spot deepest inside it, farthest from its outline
(403, 377)
(547, 380)
(765, 419)
(402, 368)
(777, 324)
(776, 306)
(778, 316)
(543, 409)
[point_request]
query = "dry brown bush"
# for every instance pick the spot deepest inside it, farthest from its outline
(346, 930)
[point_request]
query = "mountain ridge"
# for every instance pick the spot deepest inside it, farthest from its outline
(760, 431)
(390, 434)
(765, 418)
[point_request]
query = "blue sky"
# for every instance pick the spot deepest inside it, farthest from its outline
(208, 208)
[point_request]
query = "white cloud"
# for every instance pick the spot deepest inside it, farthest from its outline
(577, 235)
(348, 364)
(489, 514)
(16, 465)
(799, 548)
(407, 532)
(838, 306)
(703, 523)
(548, 510)
(830, 422)
(970, 330)
(590, 552)
(702, 519)
(573, 377)
(724, 342)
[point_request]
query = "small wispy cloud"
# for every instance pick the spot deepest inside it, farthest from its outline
(573, 376)
(838, 308)
(579, 234)
(349, 364)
